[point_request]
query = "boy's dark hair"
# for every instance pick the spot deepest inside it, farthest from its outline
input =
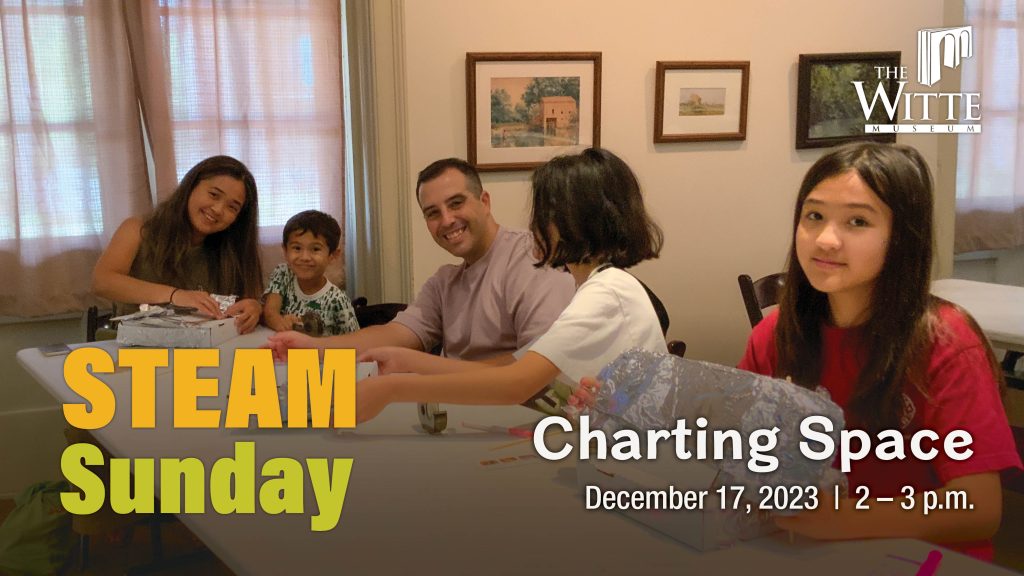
(593, 200)
(439, 167)
(317, 223)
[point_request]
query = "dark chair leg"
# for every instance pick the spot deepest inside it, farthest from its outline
(157, 540)
(1009, 366)
(83, 551)
(1010, 361)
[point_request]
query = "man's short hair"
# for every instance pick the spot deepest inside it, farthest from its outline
(317, 223)
(435, 169)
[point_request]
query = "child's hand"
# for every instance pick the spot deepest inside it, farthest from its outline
(389, 359)
(282, 323)
(585, 394)
(246, 313)
(199, 300)
(281, 342)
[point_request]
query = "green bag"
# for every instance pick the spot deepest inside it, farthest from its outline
(36, 538)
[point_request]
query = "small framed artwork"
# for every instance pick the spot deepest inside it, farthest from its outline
(700, 101)
(524, 108)
(828, 104)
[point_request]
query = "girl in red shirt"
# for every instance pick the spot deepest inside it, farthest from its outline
(856, 317)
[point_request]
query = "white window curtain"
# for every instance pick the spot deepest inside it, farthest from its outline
(72, 165)
(260, 81)
(990, 165)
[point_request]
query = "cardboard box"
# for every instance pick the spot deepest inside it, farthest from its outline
(177, 331)
(704, 527)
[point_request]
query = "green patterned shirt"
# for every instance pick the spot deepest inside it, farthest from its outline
(330, 302)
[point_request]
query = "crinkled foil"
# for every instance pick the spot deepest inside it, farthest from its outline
(643, 390)
(224, 302)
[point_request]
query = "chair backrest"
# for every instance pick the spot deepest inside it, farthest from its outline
(677, 348)
(375, 314)
(94, 322)
(760, 294)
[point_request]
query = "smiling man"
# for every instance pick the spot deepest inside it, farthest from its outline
(491, 304)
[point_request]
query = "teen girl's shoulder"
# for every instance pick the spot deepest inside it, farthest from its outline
(954, 329)
(132, 225)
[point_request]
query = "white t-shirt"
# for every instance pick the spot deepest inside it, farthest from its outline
(610, 313)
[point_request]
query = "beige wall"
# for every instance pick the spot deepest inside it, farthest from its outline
(725, 207)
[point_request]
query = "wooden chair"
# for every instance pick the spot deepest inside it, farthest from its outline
(98, 326)
(677, 348)
(375, 314)
(1009, 364)
(760, 294)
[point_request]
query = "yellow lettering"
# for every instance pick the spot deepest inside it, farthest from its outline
(283, 494)
(253, 390)
(173, 473)
(243, 468)
(73, 464)
(124, 499)
(188, 386)
(92, 389)
(143, 363)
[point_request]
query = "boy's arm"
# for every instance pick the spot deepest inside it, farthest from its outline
(272, 316)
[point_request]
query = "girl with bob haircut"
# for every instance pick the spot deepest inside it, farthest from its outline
(201, 240)
(857, 318)
(589, 217)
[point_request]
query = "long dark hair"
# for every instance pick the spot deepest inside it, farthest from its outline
(234, 257)
(903, 317)
(593, 200)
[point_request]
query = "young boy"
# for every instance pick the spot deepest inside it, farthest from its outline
(310, 243)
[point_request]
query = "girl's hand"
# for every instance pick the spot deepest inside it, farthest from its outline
(390, 359)
(373, 395)
(585, 394)
(825, 522)
(281, 342)
(199, 300)
(247, 314)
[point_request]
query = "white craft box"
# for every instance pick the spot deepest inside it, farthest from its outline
(705, 528)
(179, 331)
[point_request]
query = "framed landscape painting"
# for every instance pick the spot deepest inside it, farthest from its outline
(700, 101)
(524, 108)
(828, 108)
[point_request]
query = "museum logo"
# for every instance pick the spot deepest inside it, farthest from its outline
(926, 112)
